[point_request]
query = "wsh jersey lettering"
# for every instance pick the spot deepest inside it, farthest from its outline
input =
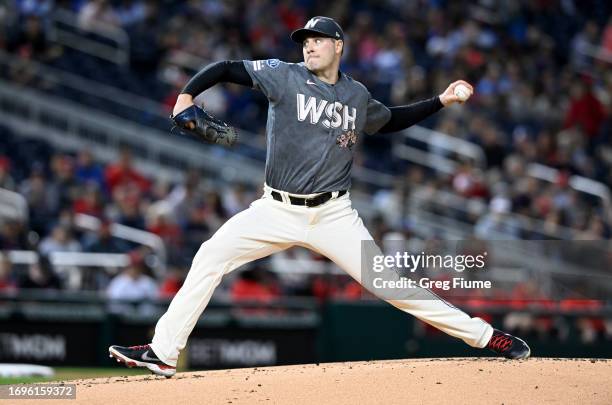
(338, 115)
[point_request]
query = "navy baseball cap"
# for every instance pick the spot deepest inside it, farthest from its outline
(320, 27)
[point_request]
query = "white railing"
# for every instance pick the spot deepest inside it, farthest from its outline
(437, 141)
(87, 222)
(135, 235)
(288, 266)
(597, 53)
(421, 202)
(427, 159)
(441, 142)
(439, 146)
(72, 264)
(578, 183)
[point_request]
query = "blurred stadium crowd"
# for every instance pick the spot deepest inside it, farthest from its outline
(541, 70)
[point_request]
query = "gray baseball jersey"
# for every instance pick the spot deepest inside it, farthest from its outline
(312, 125)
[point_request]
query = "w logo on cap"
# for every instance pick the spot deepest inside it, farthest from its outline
(312, 22)
(318, 26)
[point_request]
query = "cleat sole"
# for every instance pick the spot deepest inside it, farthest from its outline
(165, 371)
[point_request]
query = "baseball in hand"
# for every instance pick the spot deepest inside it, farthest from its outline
(462, 92)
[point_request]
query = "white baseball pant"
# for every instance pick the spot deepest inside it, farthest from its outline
(333, 229)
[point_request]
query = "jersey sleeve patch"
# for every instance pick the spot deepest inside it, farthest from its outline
(273, 63)
(260, 64)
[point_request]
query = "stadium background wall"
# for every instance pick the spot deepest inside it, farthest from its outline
(333, 333)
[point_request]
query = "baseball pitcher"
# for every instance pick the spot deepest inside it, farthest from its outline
(316, 115)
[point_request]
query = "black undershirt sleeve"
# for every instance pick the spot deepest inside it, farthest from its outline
(220, 72)
(406, 116)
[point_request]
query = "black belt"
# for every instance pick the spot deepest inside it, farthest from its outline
(308, 202)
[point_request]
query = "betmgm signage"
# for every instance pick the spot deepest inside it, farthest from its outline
(32, 347)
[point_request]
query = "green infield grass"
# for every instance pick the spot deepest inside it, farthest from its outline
(74, 373)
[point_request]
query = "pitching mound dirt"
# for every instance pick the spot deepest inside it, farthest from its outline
(422, 381)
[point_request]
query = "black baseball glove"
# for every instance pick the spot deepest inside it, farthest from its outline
(197, 122)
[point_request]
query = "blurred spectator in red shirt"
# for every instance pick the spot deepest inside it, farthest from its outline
(585, 110)
(122, 173)
(290, 14)
(172, 282)
(468, 181)
(323, 287)
(337, 286)
(252, 285)
(90, 202)
(352, 290)
(161, 224)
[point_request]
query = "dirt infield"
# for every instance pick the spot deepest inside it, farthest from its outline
(422, 381)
